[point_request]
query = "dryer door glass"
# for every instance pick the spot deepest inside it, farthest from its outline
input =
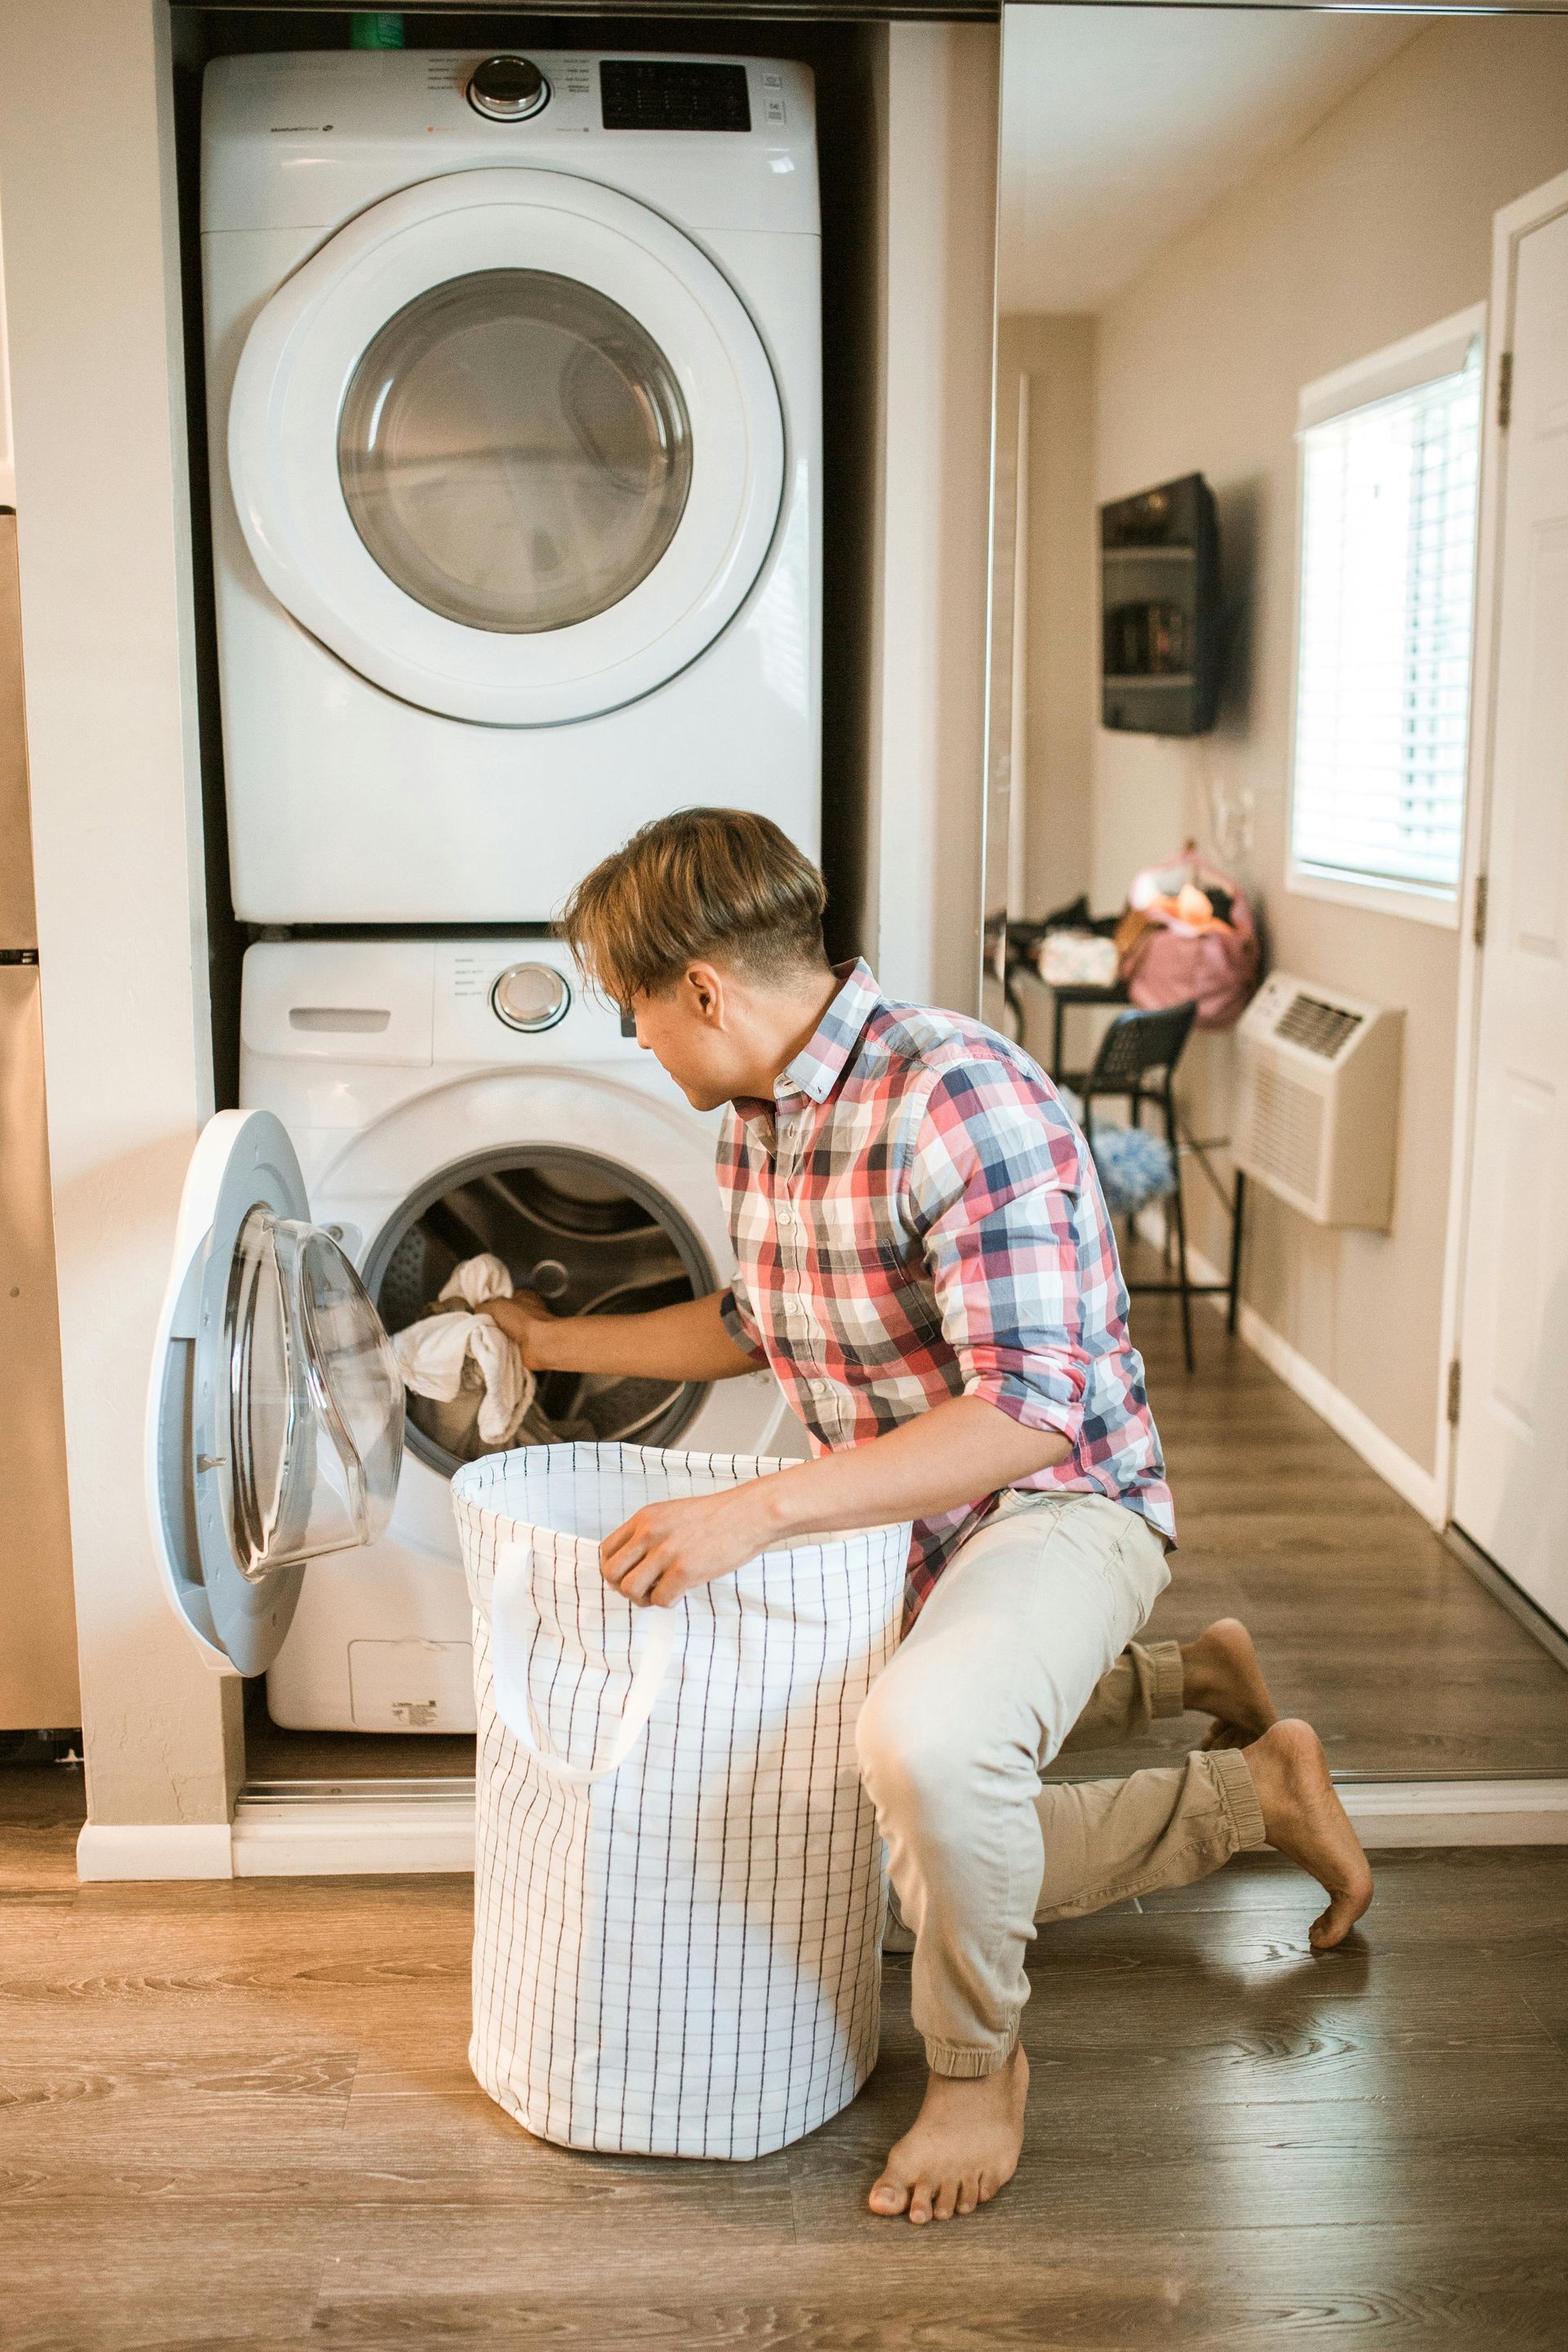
(515, 451)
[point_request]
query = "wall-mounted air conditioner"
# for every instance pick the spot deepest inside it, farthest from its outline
(1317, 1117)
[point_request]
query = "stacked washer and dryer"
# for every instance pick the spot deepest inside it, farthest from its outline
(514, 390)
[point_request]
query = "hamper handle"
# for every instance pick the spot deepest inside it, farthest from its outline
(513, 1619)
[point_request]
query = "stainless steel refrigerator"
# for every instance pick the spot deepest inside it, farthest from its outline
(38, 1626)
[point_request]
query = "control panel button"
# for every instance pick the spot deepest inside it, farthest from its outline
(531, 996)
(507, 89)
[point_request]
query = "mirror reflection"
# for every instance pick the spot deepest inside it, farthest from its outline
(1276, 719)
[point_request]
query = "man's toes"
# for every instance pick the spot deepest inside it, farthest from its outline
(921, 2202)
(945, 2203)
(888, 2196)
(968, 2193)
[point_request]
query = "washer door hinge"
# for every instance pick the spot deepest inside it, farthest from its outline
(1504, 391)
(1480, 928)
(1454, 1393)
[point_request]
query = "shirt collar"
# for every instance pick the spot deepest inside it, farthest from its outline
(821, 1062)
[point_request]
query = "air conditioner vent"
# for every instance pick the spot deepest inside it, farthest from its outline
(1287, 1136)
(1319, 1027)
(1317, 1110)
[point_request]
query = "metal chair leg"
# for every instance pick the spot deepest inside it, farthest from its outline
(1233, 1304)
(1176, 1208)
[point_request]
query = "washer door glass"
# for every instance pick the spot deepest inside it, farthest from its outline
(275, 1415)
(515, 451)
(315, 1400)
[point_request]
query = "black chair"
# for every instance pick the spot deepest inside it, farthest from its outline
(1137, 1061)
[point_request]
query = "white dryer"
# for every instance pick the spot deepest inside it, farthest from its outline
(435, 1097)
(513, 371)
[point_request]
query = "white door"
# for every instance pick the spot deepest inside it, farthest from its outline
(510, 446)
(1510, 1492)
(275, 1419)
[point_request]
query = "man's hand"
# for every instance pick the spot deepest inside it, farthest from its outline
(665, 1549)
(524, 1317)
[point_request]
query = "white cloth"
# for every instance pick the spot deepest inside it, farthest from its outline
(677, 1877)
(433, 1355)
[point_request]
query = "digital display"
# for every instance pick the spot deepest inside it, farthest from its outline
(661, 94)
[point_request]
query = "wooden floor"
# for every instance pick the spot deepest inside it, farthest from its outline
(1366, 1622)
(1368, 1625)
(238, 2115)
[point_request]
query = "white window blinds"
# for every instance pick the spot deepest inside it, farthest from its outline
(1388, 559)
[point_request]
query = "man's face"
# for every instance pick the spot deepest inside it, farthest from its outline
(687, 1028)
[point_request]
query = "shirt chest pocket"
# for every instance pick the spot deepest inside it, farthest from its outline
(875, 1297)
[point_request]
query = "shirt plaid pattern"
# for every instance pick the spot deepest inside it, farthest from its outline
(915, 1217)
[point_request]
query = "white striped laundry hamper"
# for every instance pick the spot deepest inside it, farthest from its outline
(678, 1877)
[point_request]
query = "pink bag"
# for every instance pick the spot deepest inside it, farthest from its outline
(1189, 938)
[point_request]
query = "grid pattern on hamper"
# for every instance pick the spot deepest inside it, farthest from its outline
(682, 1959)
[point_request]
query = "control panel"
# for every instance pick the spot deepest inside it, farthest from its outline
(666, 94)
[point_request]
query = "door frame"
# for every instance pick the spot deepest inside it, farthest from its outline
(1510, 224)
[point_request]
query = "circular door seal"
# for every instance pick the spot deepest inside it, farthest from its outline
(571, 413)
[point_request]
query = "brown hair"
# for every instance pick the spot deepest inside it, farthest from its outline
(707, 883)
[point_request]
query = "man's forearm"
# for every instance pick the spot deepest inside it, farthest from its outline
(958, 1453)
(687, 1343)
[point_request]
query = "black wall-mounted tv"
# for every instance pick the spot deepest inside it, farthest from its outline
(1160, 661)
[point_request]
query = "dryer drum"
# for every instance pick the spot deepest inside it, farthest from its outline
(594, 1237)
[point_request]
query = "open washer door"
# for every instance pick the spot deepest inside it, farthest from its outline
(510, 446)
(275, 1419)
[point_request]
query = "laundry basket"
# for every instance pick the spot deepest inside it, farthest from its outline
(678, 1877)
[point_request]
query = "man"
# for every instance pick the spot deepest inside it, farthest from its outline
(925, 1262)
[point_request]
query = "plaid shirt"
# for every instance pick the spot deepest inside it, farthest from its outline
(915, 1217)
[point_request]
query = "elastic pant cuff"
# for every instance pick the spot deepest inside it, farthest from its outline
(1168, 1678)
(967, 2063)
(1240, 1793)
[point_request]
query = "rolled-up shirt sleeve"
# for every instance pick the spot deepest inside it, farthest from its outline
(740, 1320)
(993, 1195)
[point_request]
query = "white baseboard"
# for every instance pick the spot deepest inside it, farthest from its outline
(1458, 1813)
(380, 1833)
(1419, 1487)
(154, 1850)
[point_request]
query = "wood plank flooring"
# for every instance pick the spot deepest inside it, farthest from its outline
(238, 2116)
(1367, 1623)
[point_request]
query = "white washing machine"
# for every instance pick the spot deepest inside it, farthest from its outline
(513, 370)
(432, 1098)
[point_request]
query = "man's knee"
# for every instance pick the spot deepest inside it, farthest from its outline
(920, 1759)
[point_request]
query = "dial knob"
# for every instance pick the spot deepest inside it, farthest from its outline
(531, 996)
(507, 89)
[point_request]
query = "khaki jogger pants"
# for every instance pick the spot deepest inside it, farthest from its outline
(1023, 1648)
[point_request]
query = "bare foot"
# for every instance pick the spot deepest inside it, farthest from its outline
(962, 2146)
(1221, 1676)
(1303, 1817)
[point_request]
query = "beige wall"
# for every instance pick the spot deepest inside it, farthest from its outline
(104, 536)
(1377, 225)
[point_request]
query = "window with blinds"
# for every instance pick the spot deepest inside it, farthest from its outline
(1390, 465)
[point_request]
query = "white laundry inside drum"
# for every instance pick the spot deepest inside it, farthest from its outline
(592, 1238)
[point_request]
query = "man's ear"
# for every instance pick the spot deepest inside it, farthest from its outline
(706, 994)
